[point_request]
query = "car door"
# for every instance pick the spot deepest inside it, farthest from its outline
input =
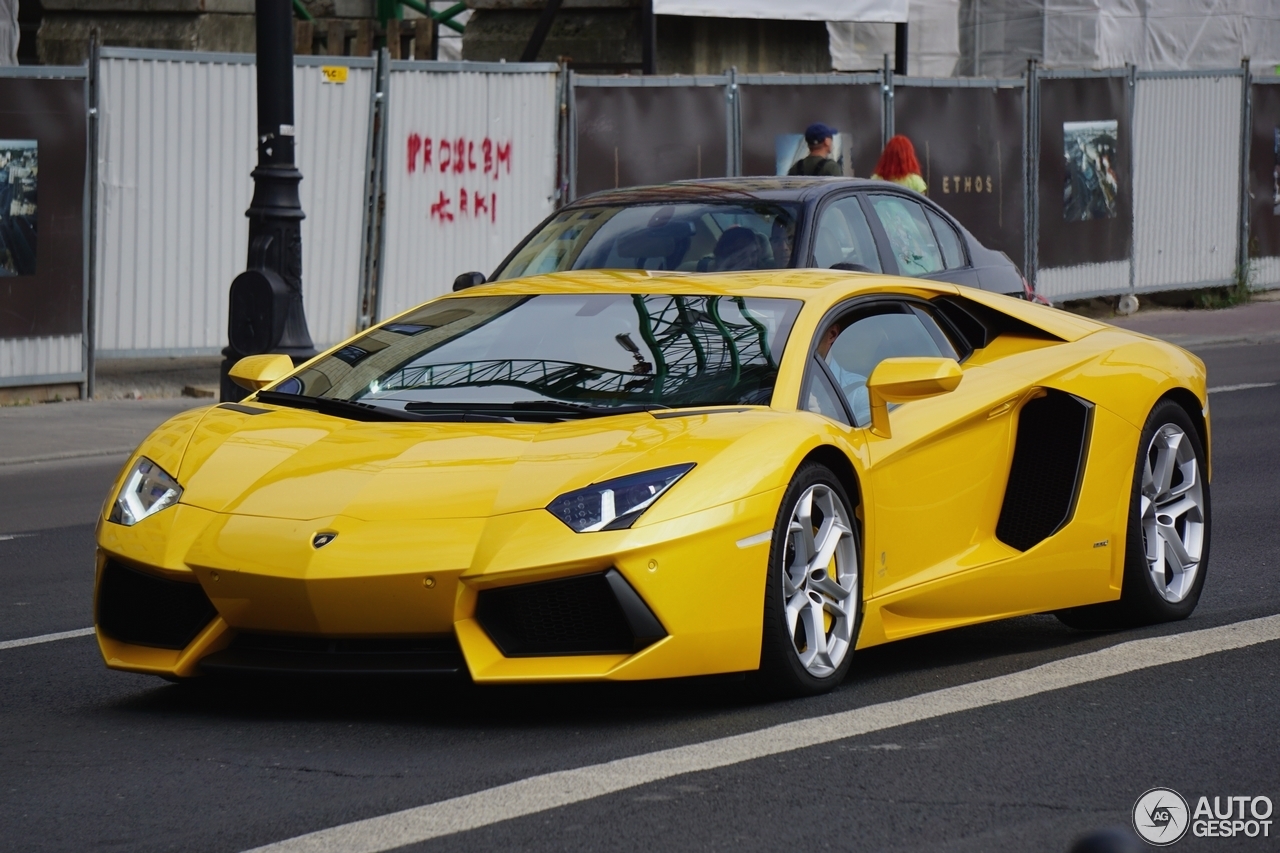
(937, 480)
(922, 242)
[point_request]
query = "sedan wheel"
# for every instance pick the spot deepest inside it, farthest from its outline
(813, 599)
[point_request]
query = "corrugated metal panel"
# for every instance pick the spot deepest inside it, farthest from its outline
(1186, 181)
(332, 152)
(1266, 273)
(1084, 281)
(175, 152)
(40, 359)
(176, 144)
(430, 237)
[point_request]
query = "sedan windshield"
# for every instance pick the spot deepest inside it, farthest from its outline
(749, 235)
(553, 356)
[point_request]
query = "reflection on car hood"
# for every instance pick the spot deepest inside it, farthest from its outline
(297, 464)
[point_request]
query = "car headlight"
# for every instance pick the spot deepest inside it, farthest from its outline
(146, 490)
(615, 504)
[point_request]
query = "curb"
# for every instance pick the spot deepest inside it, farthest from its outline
(71, 454)
(1209, 341)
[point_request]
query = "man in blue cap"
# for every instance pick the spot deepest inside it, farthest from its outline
(819, 162)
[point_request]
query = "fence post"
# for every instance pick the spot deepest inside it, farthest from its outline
(1031, 173)
(562, 135)
(89, 342)
(886, 92)
(1132, 90)
(733, 137)
(375, 197)
(1246, 143)
(573, 136)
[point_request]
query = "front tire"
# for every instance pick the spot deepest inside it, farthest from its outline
(1167, 546)
(813, 600)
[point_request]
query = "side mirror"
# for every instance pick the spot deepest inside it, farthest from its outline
(468, 279)
(256, 372)
(901, 380)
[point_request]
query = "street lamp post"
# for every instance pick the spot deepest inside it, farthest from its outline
(266, 313)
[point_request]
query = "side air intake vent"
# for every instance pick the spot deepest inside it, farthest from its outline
(135, 607)
(591, 614)
(1048, 463)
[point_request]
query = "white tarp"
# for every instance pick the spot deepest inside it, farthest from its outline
(884, 11)
(998, 36)
(8, 32)
(933, 41)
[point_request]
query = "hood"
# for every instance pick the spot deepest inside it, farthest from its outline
(295, 464)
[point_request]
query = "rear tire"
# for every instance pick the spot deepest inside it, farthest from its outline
(1167, 542)
(813, 597)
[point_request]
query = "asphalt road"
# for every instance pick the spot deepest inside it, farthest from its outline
(91, 759)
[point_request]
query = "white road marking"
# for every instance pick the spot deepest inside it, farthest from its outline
(758, 539)
(45, 638)
(565, 787)
(1244, 386)
(5, 537)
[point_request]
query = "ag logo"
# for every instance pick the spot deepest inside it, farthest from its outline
(322, 539)
(1160, 816)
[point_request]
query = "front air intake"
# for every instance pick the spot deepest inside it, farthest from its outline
(146, 610)
(272, 654)
(585, 615)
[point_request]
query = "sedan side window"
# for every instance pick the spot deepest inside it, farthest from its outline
(856, 343)
(844, 237)
(948, 239)
(910, 236)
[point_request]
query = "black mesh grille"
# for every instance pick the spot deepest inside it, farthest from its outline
(1048, 460)
(575, 616)
(275, 654)
(135, 607)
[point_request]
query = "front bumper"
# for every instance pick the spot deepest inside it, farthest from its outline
(382, 592)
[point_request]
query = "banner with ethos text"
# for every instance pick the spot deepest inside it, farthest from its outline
(42, 182)
(1086, 176)
(1264, 172)
(969, 144)
(631, 135)
(774, 118)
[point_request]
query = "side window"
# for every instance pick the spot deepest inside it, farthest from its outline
(948, 239)
(844, 237)
(910, 237)
(819, 396)
(857, 342)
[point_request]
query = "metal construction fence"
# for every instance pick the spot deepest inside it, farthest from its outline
(1095, 182)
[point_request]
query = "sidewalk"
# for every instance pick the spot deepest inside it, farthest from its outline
(81, 429)
(1256, 322)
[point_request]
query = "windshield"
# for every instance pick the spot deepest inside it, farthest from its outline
(594, 351)
(749, 235)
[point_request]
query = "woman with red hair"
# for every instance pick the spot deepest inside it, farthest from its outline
(898, 163)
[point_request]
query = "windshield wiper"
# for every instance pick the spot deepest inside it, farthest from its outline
(587, 410)
(545, 411)
(349, 409)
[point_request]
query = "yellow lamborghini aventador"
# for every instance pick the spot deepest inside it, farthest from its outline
(625, 475)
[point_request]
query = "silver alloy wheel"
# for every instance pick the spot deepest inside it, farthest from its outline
(820, 580)
(1172, 513)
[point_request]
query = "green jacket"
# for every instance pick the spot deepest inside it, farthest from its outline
(814, 165)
